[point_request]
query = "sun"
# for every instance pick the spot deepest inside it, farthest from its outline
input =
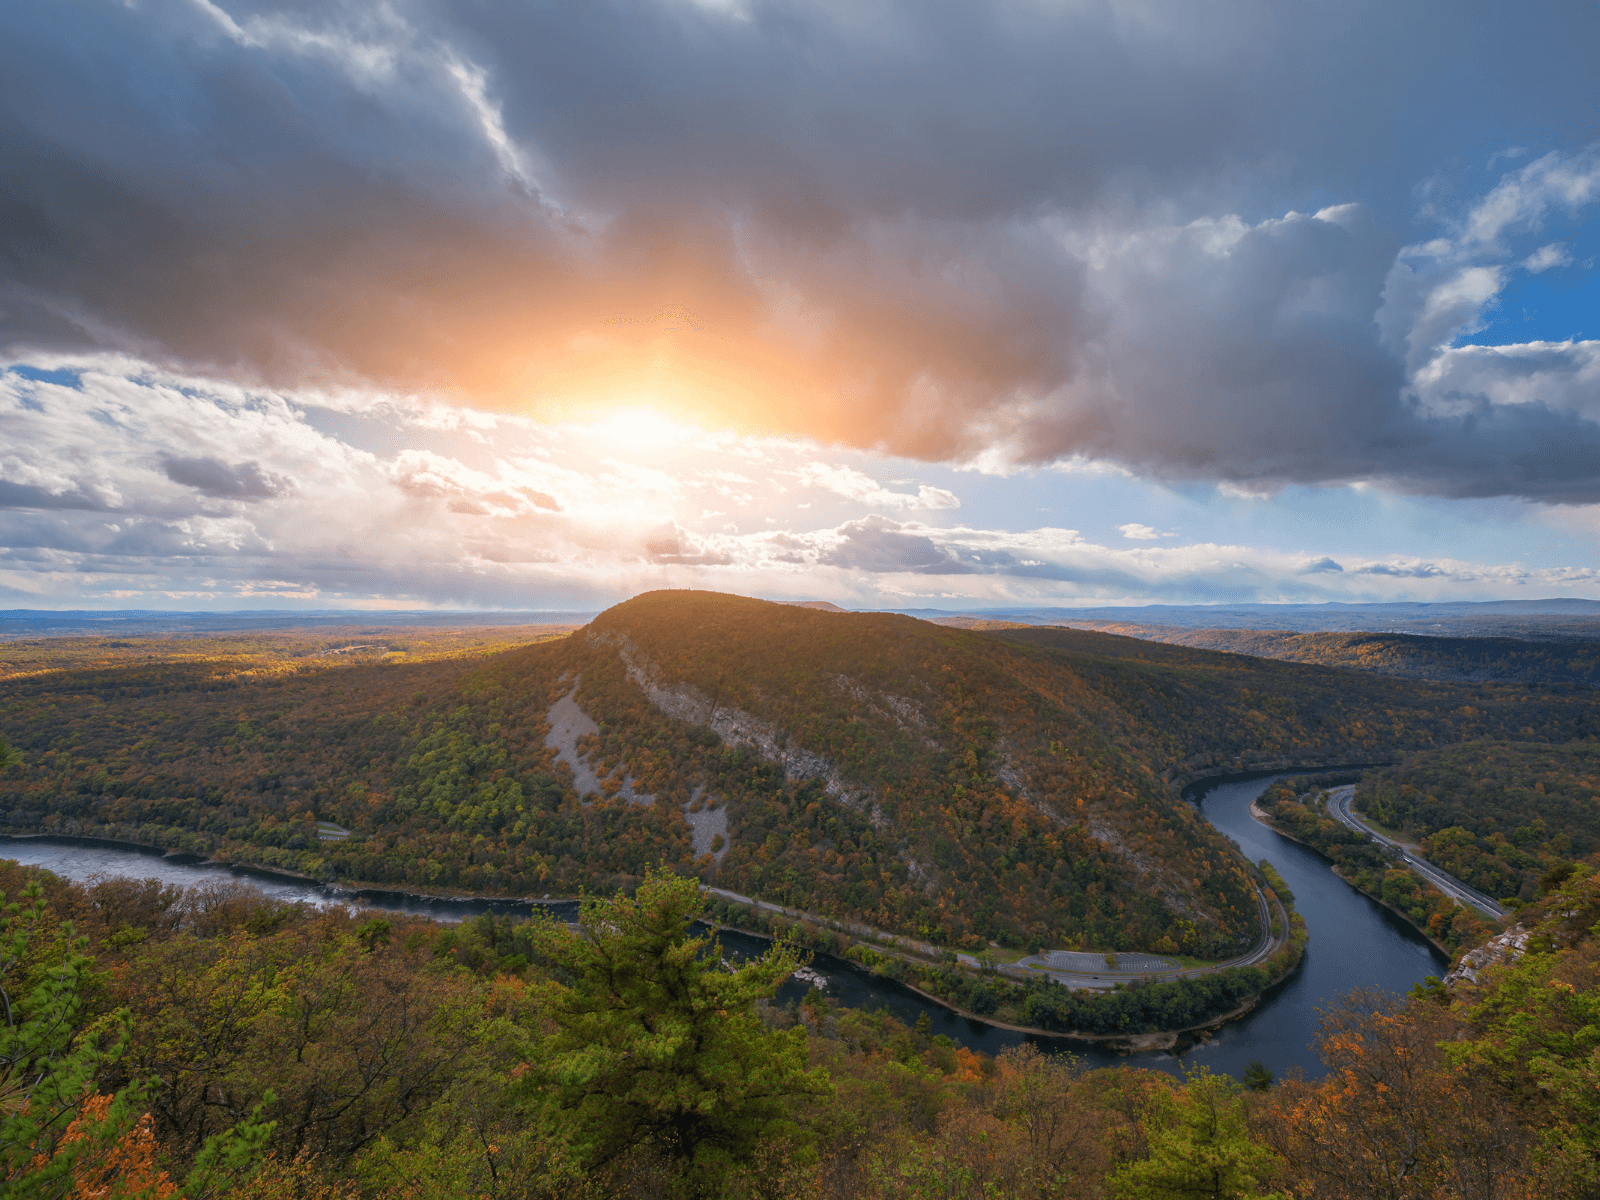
(638, 426)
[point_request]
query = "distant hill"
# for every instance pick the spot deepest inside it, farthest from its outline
(33, 622)
(1447, 659)
(978, 623)
(1017, 784)
(1562, 618)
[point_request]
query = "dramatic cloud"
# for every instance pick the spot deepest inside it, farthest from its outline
(134, 490)
(242, 481)
(1232, 243)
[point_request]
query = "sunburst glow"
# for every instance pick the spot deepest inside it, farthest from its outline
(498, 304)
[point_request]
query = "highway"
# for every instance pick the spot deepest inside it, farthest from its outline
(1339, 806)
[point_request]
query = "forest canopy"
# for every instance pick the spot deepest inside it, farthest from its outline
(211, 1041)
(959, 786)
(1495, 814)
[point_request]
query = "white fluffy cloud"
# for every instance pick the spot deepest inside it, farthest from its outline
(862, 488)
(1547, 257)
(140, 489)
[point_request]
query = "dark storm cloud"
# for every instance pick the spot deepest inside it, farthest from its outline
(214, 478)
(21, 495)
(1412, 571)
(937, 228)
(879, 544)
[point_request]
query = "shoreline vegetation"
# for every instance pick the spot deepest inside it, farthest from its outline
(961, 787)
(1296, 808)
(1135, 1013)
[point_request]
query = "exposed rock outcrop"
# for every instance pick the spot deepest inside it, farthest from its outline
(569, 723)
(1506, 948)
(737, 728)
(706, 824)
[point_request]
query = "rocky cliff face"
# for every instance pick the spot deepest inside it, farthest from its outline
(1506, 948)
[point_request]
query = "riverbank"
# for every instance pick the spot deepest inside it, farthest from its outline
(1357, 944)
(993, 999)
(1134, 1013)
(1334, 866)
(337, 890)
(185, 857)
(1126, 1043)
(1198, 785)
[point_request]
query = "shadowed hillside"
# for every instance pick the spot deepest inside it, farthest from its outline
(1196, 710)
(1413, 656)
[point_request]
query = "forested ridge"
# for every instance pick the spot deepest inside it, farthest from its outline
(953, 785)
(1495, 814)
(1560, 657)
(209, 1042)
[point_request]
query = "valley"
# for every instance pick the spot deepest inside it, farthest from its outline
(987, 840)
(1015, 786)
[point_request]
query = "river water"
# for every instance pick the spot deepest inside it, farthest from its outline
(1354, 942)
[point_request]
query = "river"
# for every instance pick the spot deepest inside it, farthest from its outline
(1354, 942)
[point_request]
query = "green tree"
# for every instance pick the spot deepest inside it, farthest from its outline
(55, 1128)
(1538, 1021)
(1257, 1075)
(1199, 1147)
(657, 1045)
(48, 1059)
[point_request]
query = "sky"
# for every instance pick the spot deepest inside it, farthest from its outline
(533, 305)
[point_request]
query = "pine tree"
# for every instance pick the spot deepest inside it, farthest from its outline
(658, 1045)
(1199, 1147)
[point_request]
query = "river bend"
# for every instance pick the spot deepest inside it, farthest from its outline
(1355, 942)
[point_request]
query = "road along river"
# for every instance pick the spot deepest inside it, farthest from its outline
(1355, 942)
(1339, 805)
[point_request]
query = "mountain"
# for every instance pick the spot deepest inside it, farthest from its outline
(923, 779)
(1014, 784)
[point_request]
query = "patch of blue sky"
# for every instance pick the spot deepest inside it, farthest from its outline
(63, 376)
(1552, 283)
(1338, 521)
(1558, 304)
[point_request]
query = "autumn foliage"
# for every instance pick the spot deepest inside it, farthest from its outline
(1013, 785)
